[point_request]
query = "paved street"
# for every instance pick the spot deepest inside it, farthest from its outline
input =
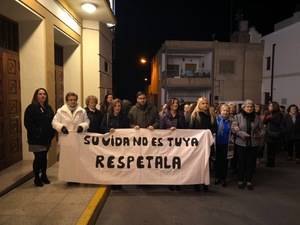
(275, 201)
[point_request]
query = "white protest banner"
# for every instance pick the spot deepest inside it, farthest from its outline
(129, 156)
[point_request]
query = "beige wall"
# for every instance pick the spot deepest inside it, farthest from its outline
(246, 80)
(81, 61)
(72, 70)
(105, 41)
(32, 67)
(90, 58)
(245, 83)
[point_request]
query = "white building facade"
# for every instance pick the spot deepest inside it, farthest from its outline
(282, 56)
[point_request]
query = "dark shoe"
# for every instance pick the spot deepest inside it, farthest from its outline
(178, 188)
(297, 161)
(116, 187)
(250, 186)
(45, 179)
(70, 183)
(38, 182)
(241, 185)
(197, 187)
(217, 181)
(171, 187)
(224, 183)
(289, 158)
(205, 188)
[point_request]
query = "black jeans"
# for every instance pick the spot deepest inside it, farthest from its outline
(272, 149)
(40, 163)
(221, 162)
(234, 160)
(291, 145)
(246, 163)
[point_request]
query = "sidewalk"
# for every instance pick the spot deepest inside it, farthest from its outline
(53, 204)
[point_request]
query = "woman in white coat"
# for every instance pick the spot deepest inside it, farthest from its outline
(70, 117)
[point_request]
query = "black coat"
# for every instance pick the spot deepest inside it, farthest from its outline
(274, 129)
(95, 120)
(111, 121)
(167, 121)
(291, 130)
(203, 121)
(37, 121)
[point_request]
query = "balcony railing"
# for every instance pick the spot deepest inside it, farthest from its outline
(203, 74)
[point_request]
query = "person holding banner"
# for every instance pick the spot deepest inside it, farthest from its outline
(114, 118)
(106, 103)
(95, 116)
(172, 120)
(202, 119)
(37, 120)
(222, 141)
(70, 117)
(143, 114)
(248, 129)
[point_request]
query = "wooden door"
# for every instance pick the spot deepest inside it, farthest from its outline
(59, 86)
(59, 76)
(10, 109)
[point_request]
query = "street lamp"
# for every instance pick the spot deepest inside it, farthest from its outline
(146, 79)
(143, 60)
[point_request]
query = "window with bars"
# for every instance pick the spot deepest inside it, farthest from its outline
(173, 70)
(268, 66)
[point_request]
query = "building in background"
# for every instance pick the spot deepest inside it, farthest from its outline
(281, 67)
(52, 44)
(221, 71)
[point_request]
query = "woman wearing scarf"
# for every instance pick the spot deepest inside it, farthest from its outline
(173, 119)
(37, 120)
(222, 141)
(248, 128)
(70, 117)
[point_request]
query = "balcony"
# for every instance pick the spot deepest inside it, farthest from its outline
(187, 82)
(175, 74)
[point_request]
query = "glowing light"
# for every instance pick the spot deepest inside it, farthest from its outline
(88, 7)
(143, 60)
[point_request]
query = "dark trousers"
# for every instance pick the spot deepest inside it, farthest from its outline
(40, 163)
(291, 145)
(272, 149)
(221, 161)
(234, 160)
(246, 163)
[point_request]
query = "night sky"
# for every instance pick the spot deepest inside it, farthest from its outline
(143, 25)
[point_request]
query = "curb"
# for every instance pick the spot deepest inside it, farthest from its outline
(19, 182)
(93, 209)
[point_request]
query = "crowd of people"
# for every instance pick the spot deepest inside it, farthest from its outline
(247, 129)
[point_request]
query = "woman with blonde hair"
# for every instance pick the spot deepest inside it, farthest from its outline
(201, 118)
